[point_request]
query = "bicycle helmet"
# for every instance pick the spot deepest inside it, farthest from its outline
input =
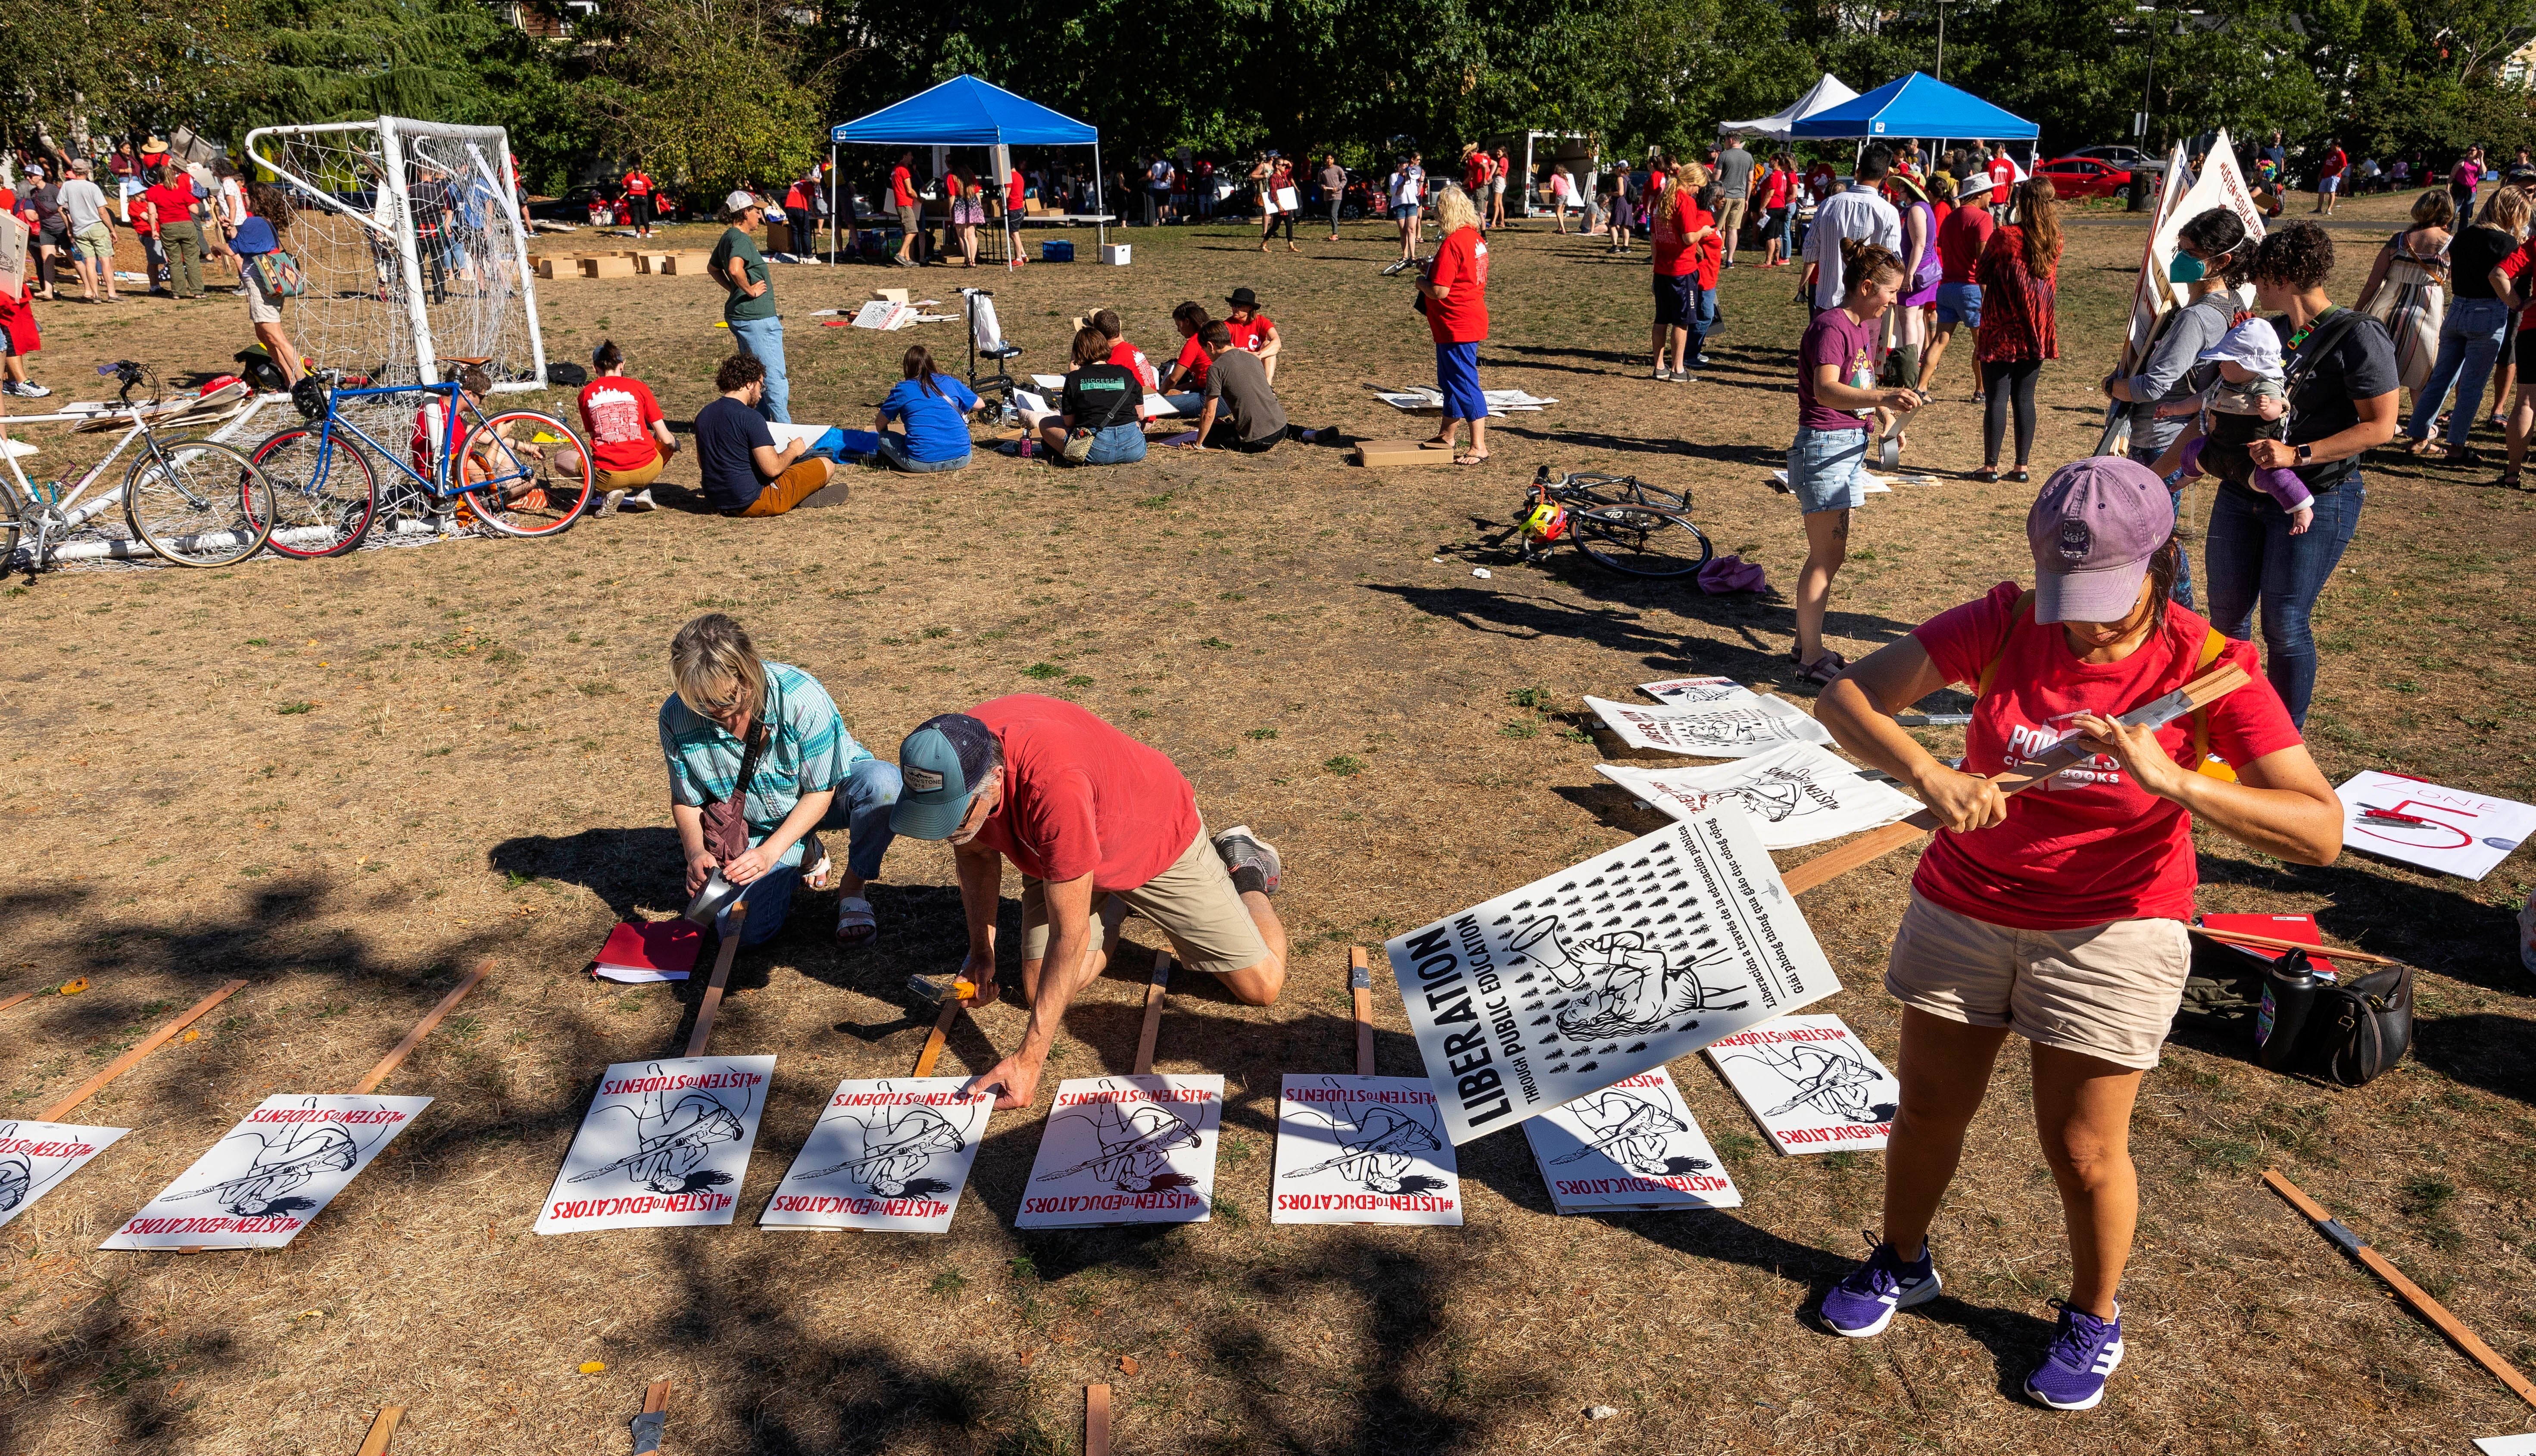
(311, 397)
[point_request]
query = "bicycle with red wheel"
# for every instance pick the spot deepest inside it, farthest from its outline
(513, 472)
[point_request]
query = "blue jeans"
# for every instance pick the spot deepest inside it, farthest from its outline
(764, 338)
(1703, 320)
(2469, 342)
(1119, 444)
(2252, 558)
(892, 450)
(861, 809)
(2147, 453)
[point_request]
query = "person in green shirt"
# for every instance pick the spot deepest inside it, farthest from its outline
(748, 304)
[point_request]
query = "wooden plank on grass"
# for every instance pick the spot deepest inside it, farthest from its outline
(705, 1013)
(1154, 994)
(1095, 1421)
(14, 1001)
(382, 1432)
(933, 1040)
(142, 1048)
(422, 1029)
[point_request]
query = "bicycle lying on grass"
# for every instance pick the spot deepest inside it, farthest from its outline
(1620, 520)
(507, 470)
(192, 502)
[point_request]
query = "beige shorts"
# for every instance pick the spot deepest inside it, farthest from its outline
(2108, 991)
(1730, 216)
(1193, 902)
(261, 307)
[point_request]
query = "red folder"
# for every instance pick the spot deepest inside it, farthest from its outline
(2300, 928)
(650, 950)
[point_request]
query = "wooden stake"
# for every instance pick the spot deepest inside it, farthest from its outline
(144, 1047)
(933, 1039)
(2200, 692)
(1361, 981)
(422, 1029)
(1095, 1421)
(655, 1419)
(14, 1001)
(1154, 994)
(2412, 1294)
(382, 1432)
(738, 914)
(2274, 943)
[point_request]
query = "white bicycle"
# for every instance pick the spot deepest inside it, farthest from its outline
(192, 502)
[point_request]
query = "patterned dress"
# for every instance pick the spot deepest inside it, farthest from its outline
(2016, 307)
(2412, 302)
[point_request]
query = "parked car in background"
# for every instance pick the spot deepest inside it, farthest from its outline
(2084, 177)
(2125, 157)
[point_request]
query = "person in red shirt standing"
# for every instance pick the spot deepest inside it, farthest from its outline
(902, 196)
(2060, 914)
(2002, 179)
(1099, 825)
(19, 336)
(171, 208)
(2329, 178)
(629, 440)
(638, 200)
(1016, 207)
(1453, 294)
(1676, 232)
(1476, 173)
(1960, 240)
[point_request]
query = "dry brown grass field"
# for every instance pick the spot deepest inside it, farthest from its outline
(349, 781)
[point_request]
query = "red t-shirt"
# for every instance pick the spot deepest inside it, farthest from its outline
(174, 201)
(2087, 847)
(1461, 264)
(1081, 797)
(1250, 334)
(619, 413)
(1128, 356)
(637, 185)
(1775, 195)
(2003, 173)
(1960, 240)
(2512, 266)
(1192, 358)
(899, 190)
(1013, 188)
(1674, 255)
(1710, 251)
(2336, 161)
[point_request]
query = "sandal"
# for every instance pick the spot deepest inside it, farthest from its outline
(2509, 480)
(1821, 670)
(1466, 459)
(1438, 444)
(854, 924)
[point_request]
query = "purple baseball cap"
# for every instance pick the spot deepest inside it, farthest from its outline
(2093, 529)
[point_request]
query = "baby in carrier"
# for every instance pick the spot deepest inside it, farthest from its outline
(2245, 380)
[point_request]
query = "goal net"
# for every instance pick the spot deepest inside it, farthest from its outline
(415, 255)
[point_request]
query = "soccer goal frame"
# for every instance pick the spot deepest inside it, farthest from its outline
(414, 247)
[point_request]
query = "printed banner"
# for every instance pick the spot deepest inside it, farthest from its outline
(1720, 730)
(37, 1155)
(261, 1185)
(1810, 1083)
(1634, 1145)
(1684, 692)
(2459, 832)
(1362, 1149)
(665, 1143)
(1639, 955)
(1125, 1150)
(889, 1155)
(1796, 794)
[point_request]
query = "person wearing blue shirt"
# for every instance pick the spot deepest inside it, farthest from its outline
(932, 409)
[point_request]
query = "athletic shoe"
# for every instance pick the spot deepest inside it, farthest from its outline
(1242, 850)
(640, 500)
(1681, 376)
(1863, 1303)
(1702, 361)
(607, 506)
(25, 391)
(2083, 1353)
(1661, 373)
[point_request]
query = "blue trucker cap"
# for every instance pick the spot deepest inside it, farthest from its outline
(940, 765)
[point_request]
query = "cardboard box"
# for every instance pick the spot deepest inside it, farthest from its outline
(546, 268)
(1116, 254)
(686, 265)
(606, 267)
(890, 296)
(650, 263)
(1398, 451)
(1033, 208)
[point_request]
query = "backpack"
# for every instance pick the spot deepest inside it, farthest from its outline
(2213, 642)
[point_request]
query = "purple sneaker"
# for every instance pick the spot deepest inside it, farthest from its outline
(1863, 1303)
(2083, 1353)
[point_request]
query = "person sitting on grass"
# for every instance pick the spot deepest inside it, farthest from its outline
(1252, 331)
(736, 717)
(1186, 382)
(1099, 420)
(482, 450)
(630, 441)
(742, 472)
(1121, 353)
(1237, 383)
(932, 409)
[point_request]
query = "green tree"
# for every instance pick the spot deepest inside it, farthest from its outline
(706, 92)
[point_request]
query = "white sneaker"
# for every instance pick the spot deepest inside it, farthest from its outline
(640, 500)
(27, 391)
(608, 504)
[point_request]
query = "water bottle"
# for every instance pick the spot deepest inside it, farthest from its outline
(1026, 447)
(2290, 984)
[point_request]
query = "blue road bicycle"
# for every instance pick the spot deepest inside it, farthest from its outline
(516, 471)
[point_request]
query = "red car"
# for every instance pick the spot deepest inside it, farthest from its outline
(2084, 177)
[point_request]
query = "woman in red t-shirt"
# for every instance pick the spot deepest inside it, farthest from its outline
(1453, 294)
(630, 441)
(2018, 274)
(2060, 914)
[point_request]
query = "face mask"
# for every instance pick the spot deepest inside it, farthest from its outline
(2187, 269)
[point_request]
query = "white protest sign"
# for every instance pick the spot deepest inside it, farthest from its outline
(1362, 1149)
(1796, 794)
(261, 1185)
(891, 1154)
(665, 1143)
(2462, 833)
(1720, 730)
(1125, 1150)
(34, 1156)
(1634, 1145)
(1810, 1083)
(1639, 955)
(1684, 692)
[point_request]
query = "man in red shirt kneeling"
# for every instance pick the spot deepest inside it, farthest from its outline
(1098, 824)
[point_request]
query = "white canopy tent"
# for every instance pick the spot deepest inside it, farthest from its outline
(1826, 94)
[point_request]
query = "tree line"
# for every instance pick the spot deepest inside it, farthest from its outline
(720, 93)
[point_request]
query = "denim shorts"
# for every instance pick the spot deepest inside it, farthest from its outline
(1960, 303)
(1119, 444)
(1827, 469)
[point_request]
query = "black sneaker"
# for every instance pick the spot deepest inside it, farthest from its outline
(1241, 849)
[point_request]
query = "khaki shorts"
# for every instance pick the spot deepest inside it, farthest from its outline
(261, 307)
(2108, 991)
(1730, 216)
(1193, 902)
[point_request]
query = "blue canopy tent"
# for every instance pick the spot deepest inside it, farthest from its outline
(1919, 105)
(964, 111)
